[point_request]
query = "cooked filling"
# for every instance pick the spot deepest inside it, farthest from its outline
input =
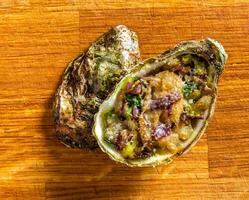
(157, 113)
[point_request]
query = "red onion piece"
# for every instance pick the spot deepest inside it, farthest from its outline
(163, 130)
(135, 112)
(166, 101)
(129, 86)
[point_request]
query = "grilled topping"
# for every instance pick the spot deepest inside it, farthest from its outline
(157, 111)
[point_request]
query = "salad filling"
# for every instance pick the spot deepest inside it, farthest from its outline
(157, 113)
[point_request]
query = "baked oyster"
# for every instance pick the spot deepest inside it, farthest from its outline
(88, 80)
(160, 110)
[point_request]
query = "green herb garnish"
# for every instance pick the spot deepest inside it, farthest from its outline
(134, 100)
(188, 88)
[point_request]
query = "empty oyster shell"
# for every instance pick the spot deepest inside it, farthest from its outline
(88, 80)
(161, 109)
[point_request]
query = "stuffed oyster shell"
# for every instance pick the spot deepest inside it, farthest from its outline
(160, 110)
(88, 80)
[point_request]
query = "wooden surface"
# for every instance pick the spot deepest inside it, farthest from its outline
(38, 39)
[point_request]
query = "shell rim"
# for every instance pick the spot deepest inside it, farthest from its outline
(168, 159)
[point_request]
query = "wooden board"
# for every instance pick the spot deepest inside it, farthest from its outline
(37, 40)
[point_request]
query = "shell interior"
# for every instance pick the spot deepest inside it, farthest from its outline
(212, 52)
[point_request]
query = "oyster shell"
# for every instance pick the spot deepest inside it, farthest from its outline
(164, 119)
(87, 81)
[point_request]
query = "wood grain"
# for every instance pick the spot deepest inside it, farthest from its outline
(38, 39)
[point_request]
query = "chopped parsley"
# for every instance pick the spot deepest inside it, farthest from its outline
(188, 88)
(134, 100)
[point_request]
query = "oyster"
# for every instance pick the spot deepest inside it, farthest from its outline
(88, 80)
(161, 109)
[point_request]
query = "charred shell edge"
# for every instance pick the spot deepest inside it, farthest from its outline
(209, 49)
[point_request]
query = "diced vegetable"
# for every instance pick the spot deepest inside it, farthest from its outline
(135, 112)
(137, 89)
(200, 68)
(195, 94)
(203, 103)
(129, 86)
(163, 130)
(191, 111)
(127, 111)
(129, 150)
(186, 59)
